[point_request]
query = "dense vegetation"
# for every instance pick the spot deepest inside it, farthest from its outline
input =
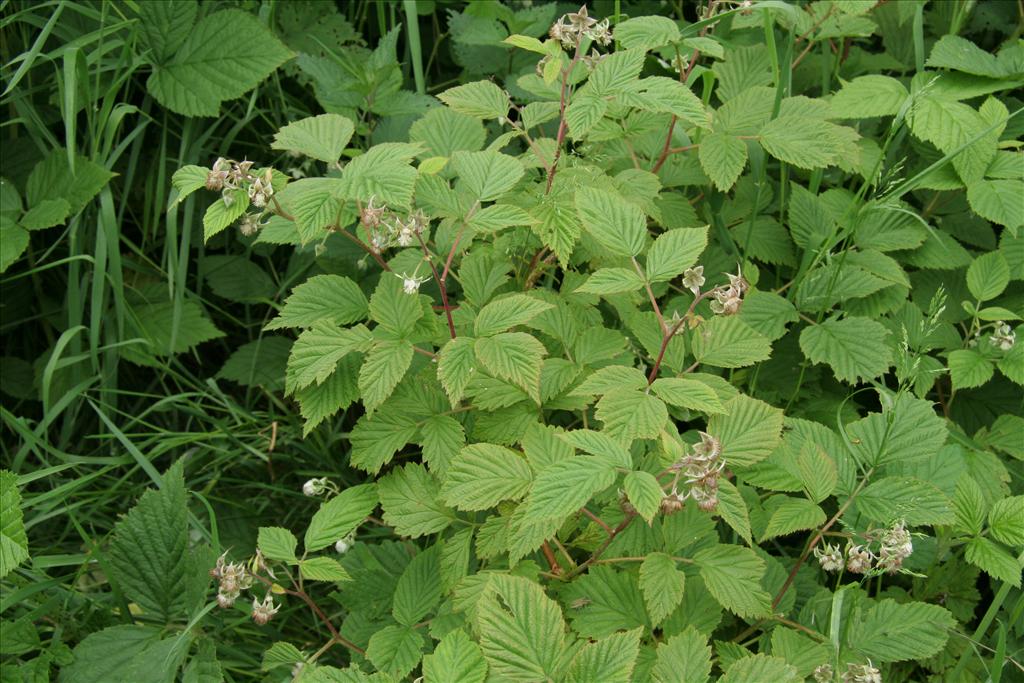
(520, 341)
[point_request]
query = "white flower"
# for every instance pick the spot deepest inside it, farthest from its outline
(263, 611)
(862, 673)
(411, 283)
(858, 559)
(693, 279)
(829, 557)
(1003, 336)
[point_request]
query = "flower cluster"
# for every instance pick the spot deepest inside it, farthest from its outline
(387, 229)
(227, 175)
(572, 28)
(861, 673)
(233, 578)
(894, 546)
(701, 470)
(728, 299)
(1002, 336)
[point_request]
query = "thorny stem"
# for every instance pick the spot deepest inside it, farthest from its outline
(440, 285)
(302, 595)
(818, 537)
(562, 123)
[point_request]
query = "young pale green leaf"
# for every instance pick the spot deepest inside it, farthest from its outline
(616, 224)
(515, 357)
(722, 157)
(854, 347)
(913, 500)
(612, 281)
(393, 309)
(610, 378)
(375, 441)
(201, 75)
(498, 216)
(316, 353)
(867, 97)
(802, 141)
(997, 200)
(683, 657)
(609, 660)
(277, 544)
(687, 393)
(522, 633)
(953, 52)
(792, 514)
(456, 658)
(412, 501)
(994, 560)
(894, 632)
(419, 588)
(322, 298)
(564, 487)
(340, 516)
(482, 475)
(629, 414)
(443, 437)
(395, 650)
(322, 137)
(487, 175)
(616, 72)
(675, 251)
(817, 472)
(384, 367)
(988, 276)
(749, 430)
(509, 311)
(662, 584)
(323, 569)
(1006, 521)
(13, 541)
(644, 493)
(728, 342)
(968, 368)
(761, 667)
(600, 445)
(455, 366)
(583, 113)
(221, 213)
(646, 33)
(732, 574)
(482, 99)
(733, 509)
(317, 402)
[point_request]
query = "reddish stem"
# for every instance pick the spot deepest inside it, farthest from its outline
(562, 123)
(440, 285)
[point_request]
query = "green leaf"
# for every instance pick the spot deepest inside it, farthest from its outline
(323, 569)
(683, 657)
(609, 378)
(322, 298)
(455, 365)
(395, 650)
(375, 441)
(124, 653)
(317, 402)
(893, 632)
(13, 541)
(384, 367)
(628, 414)
(611, 281)
(997, 200)
(868, 96)
(732, 575)
(722, 157)
(728, 342)
(960, 54)
(482, 475)
(481, 99)
(412, 501)
(383, 173)
(160, 324)
(792, 514)
(968, 368)
(514, 357)
(564, 487)
(662, 584)
(949, 125)
(498, 216)
(456, 658)
(419, 588)
(616, 224)
(758, 668)
(314, 204)
(238, 279)
(443, 437)
(583, 113)
(165, 26)
(46, 214)
(340, 516)
(906, 432)
(1006, 521)
(616, 72)
(316, 353)
(854, 347)
(52, 178)
(767, 313)
(393, 309)
(669, 96)
(149, 557)
(13, 242)
(817, 471)
(487, 175)
(749, 430)
(988, 276)
(687, 393)
(609, 660)
(733, 509)
(994, 560)
(204, 667)
(675, 251)
(800, 650)
(221, 213)
(600, 445)
(187, 180)
(202, 74)
(509, 311)
(913, 500)
(322, 137)
(802, 141)
(277, 544)
(646, 33)
(281, 654)
(522, 633)
(644, 493)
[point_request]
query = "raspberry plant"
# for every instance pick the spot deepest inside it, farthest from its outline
(687, 351)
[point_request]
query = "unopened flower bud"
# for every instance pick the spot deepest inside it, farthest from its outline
(344, 544)
(315, 487)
